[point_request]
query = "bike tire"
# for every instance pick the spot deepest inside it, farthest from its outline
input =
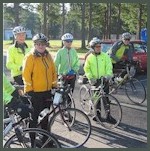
(85, 100)
(73, 131)
(135, 91)
(115, 111)
(49, 140)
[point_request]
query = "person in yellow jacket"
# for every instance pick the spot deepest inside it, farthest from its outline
(39, 76)
(16, 53)
(99, 64)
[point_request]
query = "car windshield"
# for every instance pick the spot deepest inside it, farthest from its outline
(105, 47)
(139, 47)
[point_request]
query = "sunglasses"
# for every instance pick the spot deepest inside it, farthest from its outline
(97, 46)
(127, 39)
(68, 41)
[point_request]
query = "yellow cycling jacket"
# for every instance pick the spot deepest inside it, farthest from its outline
(39, 72)
(15, 58)
(97, 66)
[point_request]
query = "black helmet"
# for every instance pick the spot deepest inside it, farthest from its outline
(40, 37)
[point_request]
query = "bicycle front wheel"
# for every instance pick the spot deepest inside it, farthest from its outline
(85, 100)
(71, 127)
(135, 91)
(108, 111)
(32, 138)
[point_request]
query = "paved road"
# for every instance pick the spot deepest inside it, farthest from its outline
(132, 132)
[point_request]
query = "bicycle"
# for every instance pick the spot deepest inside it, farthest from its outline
(134, 89)
(22, 137)
(94, 101)
(63, 83)
(70, 126)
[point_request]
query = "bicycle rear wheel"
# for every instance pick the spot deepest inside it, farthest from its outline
(71, 127)
(108, 111)
(42, 139)
(135, 91)
(85, 100)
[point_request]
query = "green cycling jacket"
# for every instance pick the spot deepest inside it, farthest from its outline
(97, 66)
(66, 60)
(8, 89)
(15, 58)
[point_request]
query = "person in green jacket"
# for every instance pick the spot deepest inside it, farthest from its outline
(67, 61)
(98, 64)
(16, 53)
(12, 101)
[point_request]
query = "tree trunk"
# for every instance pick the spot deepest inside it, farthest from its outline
(118, 21)
(44, 30)
(109, 20)
(16, 19)
(139, 21)
(90, 23)
(63, 20)
(83, 26)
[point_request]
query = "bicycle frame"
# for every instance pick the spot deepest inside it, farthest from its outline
(127, 76)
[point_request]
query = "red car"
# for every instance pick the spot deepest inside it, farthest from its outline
(140, 52)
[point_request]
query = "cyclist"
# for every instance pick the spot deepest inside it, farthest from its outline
(91, 50)
(10, 99)
(16, 54)
(120, 51)
(39, 77)
(67, 61)
(99, 64)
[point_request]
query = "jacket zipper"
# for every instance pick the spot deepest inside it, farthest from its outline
(69, 60)
(97, 67)
(46, 65)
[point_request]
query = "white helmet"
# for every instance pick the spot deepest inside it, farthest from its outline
(94, 41)
(18, 29)
(67, 36)
(126, 35)
(40, 37)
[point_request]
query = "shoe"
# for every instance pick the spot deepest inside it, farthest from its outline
(111, 120)
(119, 79)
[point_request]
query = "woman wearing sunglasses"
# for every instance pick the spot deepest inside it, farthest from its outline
(67, 61)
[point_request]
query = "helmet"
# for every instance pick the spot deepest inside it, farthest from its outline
(126, 35)
(67, 36)
(94, 41)
(18, 29)
(40, 37)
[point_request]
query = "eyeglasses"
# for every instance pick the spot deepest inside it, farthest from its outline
(68, 41)
(97, 46)
(40, 44)
(127, 39)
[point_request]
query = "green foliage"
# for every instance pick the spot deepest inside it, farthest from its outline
(32, 17)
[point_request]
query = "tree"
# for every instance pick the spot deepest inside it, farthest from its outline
(83, 26)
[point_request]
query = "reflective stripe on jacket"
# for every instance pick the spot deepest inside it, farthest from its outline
(39, 72)
(8, 89)
(66, 60)
(97, 66)
(15, 58)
